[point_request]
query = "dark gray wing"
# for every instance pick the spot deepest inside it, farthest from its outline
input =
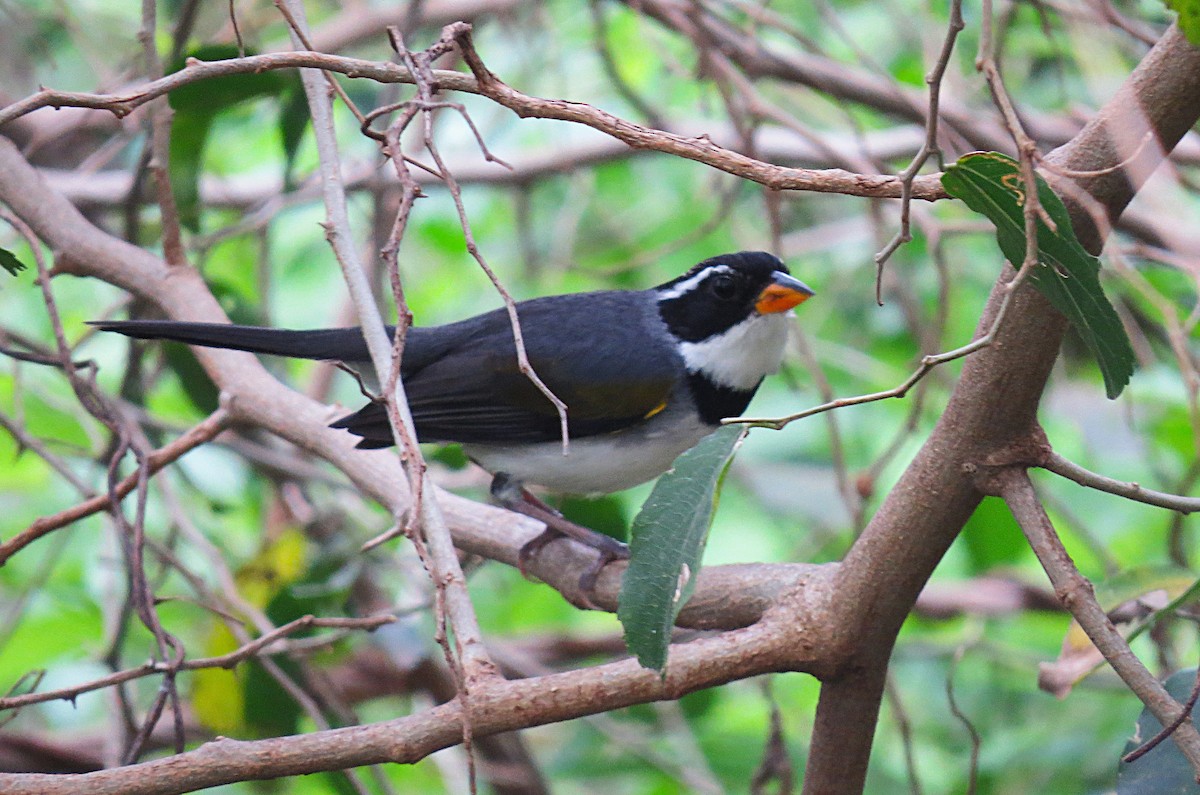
(606, 355)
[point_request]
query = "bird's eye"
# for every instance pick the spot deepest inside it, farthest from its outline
(723, 286)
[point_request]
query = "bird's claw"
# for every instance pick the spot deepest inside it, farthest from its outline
(509, 492)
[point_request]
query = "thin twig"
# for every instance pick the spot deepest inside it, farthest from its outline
(927, 364)
(27, 441)
(956, 711)
(928, 149)
(297, 29)
(1060, 466)
(1168, 730)
(904, 725)
(155, 460)
(1032, 211)
(262, 645)
(444, 568)
(698, 148)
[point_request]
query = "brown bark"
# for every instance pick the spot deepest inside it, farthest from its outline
(838, 622)
(993, 409)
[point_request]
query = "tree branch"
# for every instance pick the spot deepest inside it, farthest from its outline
(156, 460)
(1084, 477)
(776, 643)
(993, 407)
(699, 148)
(1077, 593)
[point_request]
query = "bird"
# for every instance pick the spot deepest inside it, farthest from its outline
(645, 375)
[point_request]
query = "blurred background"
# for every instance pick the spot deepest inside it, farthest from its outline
(252, 526)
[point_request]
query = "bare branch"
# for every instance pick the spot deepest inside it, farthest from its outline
(1060, 466)
(1078, 595)
(928, 149)
(700, 148)
(773, 644)
(262, 645)
(156, 460)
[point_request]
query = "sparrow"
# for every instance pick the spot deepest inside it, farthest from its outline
(645, 376)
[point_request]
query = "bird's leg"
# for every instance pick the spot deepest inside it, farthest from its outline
(509, 492)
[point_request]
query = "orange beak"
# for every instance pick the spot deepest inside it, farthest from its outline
(783, 293)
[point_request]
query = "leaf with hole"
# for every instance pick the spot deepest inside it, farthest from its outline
(667, 542)
(990, 183)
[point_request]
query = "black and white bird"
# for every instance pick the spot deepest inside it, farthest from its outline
(645, 374)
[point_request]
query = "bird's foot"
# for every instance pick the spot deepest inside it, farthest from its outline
(512, 495)
(607, 548)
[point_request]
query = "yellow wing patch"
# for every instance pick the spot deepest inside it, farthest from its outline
(655, 410)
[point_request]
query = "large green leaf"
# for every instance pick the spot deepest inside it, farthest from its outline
(992, 537)
(667, 542)
(990, 183)
(196, 105)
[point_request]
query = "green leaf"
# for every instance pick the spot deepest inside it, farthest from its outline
(990, 183)
(189, 133)
(1189, 18)
(220, 93)
(1164, 770)
(668, 537)
(196, 105)
(992, 537)
(10, 263)
(293, 121)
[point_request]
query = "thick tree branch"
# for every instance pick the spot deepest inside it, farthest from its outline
(774, 644)
(992, 408)
(737, 596)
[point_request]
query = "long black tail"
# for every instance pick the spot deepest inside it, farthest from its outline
(341, 344)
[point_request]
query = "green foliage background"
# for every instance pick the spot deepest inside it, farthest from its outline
(629, 223)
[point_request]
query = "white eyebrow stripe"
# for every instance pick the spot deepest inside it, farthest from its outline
(688, 284)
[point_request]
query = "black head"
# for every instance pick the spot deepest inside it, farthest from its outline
(721, 292)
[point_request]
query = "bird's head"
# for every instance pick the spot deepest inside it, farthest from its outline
(728, 314)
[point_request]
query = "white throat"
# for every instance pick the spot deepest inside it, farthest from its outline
(742, 356)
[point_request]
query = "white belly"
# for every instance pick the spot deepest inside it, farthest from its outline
(595, 464)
